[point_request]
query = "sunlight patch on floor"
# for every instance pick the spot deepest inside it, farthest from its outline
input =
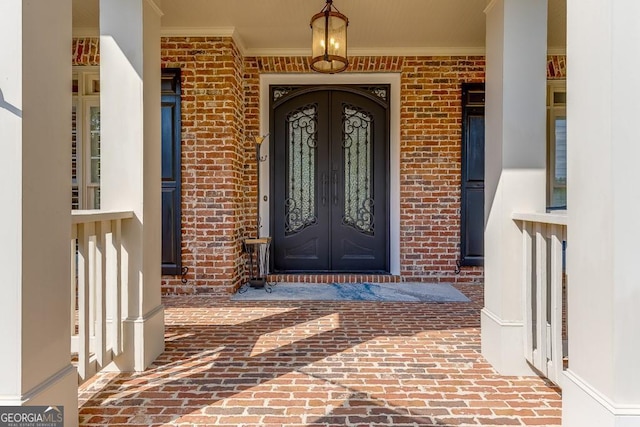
(287, 336)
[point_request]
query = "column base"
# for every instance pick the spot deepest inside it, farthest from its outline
(61, 389)
(503, 345)
(144, 339)
(582, 405)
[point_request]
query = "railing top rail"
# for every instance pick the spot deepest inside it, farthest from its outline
(555, 217)
(94, 215)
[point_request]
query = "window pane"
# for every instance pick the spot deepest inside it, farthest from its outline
(94, 120)
(561, 150)
(94, 198)
(559, 97)
(75, 194)
(559, 196)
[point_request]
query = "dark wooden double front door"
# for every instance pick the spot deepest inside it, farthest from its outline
(329, 206)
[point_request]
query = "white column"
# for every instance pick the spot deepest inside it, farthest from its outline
(35, 219)
(515, 147)
(602, 384)
(131, 160)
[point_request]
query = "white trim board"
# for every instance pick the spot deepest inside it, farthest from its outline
(613, 408)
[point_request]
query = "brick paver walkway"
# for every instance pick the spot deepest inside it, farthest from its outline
(320, 364)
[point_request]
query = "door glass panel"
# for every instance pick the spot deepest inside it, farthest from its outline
(357, 153)
(300, 203)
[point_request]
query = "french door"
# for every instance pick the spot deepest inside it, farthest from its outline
(330, 173)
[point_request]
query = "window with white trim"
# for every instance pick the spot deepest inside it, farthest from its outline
(85, 138)
(557, 144)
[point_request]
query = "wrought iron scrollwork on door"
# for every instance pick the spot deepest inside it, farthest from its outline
(300, 203)
(357, 137)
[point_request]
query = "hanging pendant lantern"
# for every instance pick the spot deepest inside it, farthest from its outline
(329, 40)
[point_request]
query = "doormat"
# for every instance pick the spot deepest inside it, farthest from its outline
(392, 292)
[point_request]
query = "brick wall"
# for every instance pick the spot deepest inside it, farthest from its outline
(431, 120)
(85, 51)
(556, 67)
(220, 117)
(213, 159)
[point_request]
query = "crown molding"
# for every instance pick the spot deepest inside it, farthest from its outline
(85, 32)
(363, 51)
(239, 43)
(490, 6)
(206, 32)
(197, 31)
(400, 51)
(293, 51)
(557, 50)
(155, 8)
(373, 51)
(419, 51)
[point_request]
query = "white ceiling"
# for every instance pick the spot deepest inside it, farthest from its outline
(277, 27)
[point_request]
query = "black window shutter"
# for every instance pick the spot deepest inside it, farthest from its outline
(472, 188)
(171, 175)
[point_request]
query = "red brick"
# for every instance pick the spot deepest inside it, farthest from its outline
(309, 375)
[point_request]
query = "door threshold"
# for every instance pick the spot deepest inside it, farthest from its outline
(334, 278)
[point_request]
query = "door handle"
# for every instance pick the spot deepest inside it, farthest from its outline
(335, 186)
(325, 181)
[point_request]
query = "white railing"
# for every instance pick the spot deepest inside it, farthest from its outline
(98, 277)
(544, 237)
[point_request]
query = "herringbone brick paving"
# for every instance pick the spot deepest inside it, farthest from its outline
(320, 364)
